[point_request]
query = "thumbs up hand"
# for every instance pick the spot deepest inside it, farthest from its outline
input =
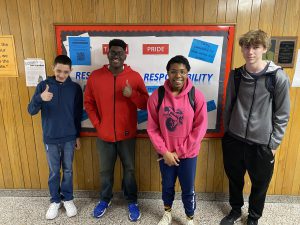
(127, 90)
(46, 95)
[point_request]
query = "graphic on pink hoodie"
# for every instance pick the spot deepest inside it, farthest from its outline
(177, 127)
(173, 118)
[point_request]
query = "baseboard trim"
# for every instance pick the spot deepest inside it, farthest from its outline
(222, 197)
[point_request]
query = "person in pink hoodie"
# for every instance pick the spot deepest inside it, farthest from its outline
(176, 128)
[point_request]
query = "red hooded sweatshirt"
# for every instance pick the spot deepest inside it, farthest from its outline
(176, 127)
(113, 115)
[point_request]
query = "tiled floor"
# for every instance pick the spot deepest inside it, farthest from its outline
(31, 210)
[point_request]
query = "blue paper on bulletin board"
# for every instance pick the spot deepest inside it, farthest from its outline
(80, 52)
(203, 50)
(211, 105)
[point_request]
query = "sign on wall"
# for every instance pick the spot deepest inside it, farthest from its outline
(282, 51)
(208, 49)
(35, 71)
(8, 63)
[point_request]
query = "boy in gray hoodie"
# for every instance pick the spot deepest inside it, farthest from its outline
(255, 118)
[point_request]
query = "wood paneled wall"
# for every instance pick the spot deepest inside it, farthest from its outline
(22, 158)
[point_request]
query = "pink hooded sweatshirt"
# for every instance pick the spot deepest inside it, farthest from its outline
(176, 127)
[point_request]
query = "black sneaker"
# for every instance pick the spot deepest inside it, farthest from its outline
(231, 218)
(251, 221)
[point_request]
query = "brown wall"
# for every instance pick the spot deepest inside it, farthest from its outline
(22, 159)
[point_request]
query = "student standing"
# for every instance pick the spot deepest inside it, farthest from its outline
(176, 125)
(60, 101)
(112, 96)
(255, 118)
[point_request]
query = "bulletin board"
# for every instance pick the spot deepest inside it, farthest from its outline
(149, 48)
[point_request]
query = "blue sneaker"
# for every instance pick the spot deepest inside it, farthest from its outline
(100, 209)
(134, 212)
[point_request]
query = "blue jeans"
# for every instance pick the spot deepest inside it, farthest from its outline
(186, 172)
(108, 152)
(60, 155)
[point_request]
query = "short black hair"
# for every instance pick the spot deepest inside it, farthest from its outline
(117, 42)
(63, 59)
(179, 59)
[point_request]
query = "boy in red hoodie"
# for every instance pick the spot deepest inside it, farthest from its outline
(176, 130)
(112, 96)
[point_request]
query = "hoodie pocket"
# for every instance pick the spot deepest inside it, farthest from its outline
(98, 128)
(180, 148)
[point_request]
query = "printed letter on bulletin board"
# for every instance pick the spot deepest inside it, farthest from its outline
(208, 49)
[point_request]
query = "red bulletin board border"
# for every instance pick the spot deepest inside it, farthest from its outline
(59, 28)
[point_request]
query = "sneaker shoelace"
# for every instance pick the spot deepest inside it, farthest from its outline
(69, 204)
(165, 218)
(190, 222)
(233, 215)
(102, 205)
(54, 206)
(133, 209)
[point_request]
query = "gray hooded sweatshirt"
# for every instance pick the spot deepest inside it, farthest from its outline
(250, 116)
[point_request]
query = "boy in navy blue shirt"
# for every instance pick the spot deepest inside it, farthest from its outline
(60, 101)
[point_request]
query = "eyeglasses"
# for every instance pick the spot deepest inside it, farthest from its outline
(180, 72)
(114, 54)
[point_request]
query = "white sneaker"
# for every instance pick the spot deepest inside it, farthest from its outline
(189, 222)
(52, 212)
(166, 219)
(71, 209)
